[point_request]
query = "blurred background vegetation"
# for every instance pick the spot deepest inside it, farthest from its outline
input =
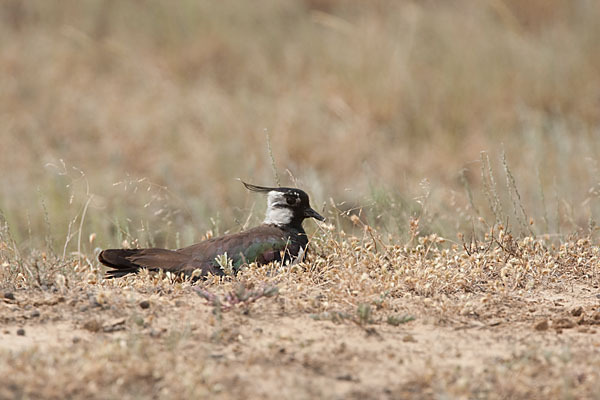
(133, 119)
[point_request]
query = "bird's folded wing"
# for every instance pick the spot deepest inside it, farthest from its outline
(262, 244)
(127, 261)
(168, 260)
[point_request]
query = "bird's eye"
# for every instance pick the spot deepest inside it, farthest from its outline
(291, 200)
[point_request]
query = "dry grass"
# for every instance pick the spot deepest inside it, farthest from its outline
(363, 102)
(453, 146)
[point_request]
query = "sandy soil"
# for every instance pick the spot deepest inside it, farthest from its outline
(152, 343)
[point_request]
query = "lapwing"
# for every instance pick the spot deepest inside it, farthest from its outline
(280, 237)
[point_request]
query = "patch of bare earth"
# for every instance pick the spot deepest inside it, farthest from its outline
(101, 342)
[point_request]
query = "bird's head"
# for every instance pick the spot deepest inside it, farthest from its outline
(286, 206)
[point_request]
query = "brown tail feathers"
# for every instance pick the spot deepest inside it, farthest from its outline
(117, 259)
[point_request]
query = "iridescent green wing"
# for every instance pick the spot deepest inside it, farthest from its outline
(261, 251)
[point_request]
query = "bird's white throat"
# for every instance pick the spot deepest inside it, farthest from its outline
(278, 212)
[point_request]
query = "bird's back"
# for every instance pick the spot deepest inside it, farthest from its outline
(262, 244)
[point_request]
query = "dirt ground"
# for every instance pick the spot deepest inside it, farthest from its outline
(103, 340)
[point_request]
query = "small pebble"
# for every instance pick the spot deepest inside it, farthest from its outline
(21, 332)
(542, 325)
(409, 339)
(144, 304)
(154, 333)
(9, 295)
(92, 325)
(34, 314)
(563, 323)
(576, 312)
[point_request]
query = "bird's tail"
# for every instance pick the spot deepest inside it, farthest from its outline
(118, 260)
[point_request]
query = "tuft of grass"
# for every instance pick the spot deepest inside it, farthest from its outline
(272, 158)
(515, 197)
(363, 314)
(226, 264)
(396, 320)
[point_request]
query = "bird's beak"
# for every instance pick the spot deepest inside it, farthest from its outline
(310, 213)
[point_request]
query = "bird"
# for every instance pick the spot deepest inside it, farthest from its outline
(280, 237)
